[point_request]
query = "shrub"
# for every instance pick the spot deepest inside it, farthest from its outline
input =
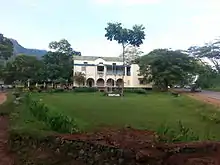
(181, 134)
(85, 89)
(58, 90)
(56, 121)
(135, 90)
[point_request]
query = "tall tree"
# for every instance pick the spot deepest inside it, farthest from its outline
(63, 46)
(166, 67)
(22, 68)
(210, 50)
(62, 62)
(131, 54)
(125, 37)
(6, 48)
(57, 65)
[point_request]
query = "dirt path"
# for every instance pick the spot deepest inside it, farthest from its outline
(5, 156)
(205, 98)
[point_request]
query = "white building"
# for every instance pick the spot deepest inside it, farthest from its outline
(107, 72)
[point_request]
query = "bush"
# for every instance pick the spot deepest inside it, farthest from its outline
(135, 90)
(85, 89)
(181, 134)
(56, 121)
(58, 90)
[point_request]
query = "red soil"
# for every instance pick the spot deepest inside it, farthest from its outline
(5, 156)
(145, 146)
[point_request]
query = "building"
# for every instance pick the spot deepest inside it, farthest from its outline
(107, 72)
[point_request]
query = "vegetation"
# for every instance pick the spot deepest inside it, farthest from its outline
(167, 67)
(6, 48)
(125, 37)
(131, 54)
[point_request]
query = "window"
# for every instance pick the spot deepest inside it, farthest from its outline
(141, 81)
(100, 68)
(114, 68)
(128, 71)
(83, 69)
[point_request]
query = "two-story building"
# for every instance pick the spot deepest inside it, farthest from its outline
(107, 72)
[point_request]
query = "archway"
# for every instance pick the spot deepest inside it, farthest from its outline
(90, 82)
(110, 82)
(119, 82)
(100, 82)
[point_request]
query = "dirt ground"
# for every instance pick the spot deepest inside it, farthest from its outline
(5, 156)
(145, 147)
(204, 98)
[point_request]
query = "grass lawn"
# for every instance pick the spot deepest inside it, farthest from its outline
(92, 110)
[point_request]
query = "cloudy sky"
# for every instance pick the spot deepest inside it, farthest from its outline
(175, 24)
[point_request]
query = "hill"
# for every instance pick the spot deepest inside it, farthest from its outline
(18, 49)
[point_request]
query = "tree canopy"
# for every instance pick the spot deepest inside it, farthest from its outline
(131, 54)
(125, 37)
(63, 46)
(6, 48)
(22, 68)
(167, 67)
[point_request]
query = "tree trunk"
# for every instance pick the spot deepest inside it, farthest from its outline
(123, 74)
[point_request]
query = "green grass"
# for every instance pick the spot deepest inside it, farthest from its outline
(92, 110)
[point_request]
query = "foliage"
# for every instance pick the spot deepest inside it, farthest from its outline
(57, 66)
(125, 37)
(22, 68)
(6, 48)
(56, 121)
(57, 90)
(79, 78)
(63, 46)
(210, 51)
(131, 54)
(167, 67)
(182, 133)
(85, 89)
(135, 90)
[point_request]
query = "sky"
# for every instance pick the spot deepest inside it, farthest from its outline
(176, 24)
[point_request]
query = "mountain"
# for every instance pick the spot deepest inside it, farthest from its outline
(18, 49)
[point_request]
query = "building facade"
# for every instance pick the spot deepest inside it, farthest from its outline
(107, 72)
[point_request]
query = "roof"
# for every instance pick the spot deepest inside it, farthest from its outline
(93, 58)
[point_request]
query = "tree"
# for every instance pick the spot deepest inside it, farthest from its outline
(57, 65)
(131, 54)
(6, 48)
(210, 51)
(80, 78)
(125, 37)
(63, 46)
(65, 53)
(22, 68)
(167, 67)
